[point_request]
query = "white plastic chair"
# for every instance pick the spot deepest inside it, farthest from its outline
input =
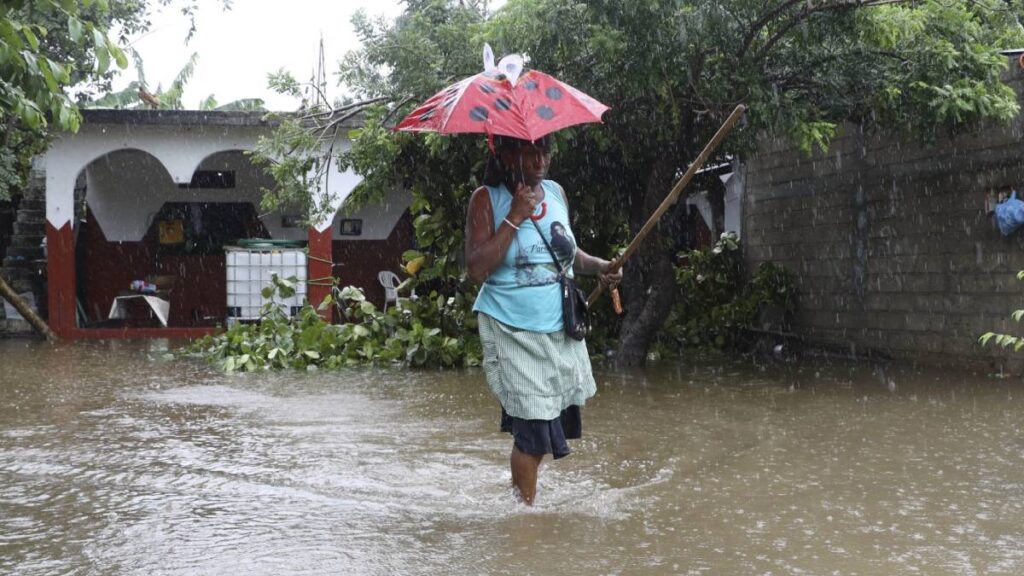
(389, 280)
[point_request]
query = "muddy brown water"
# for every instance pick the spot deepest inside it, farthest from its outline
(115, 461)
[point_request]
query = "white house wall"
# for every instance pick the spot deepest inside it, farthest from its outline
(132, 170)
(378, 219)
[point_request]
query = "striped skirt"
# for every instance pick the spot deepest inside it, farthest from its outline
(534, 375)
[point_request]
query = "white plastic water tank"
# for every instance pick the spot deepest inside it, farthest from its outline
(251, 269)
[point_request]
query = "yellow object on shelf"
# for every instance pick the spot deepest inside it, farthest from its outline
(172, 232)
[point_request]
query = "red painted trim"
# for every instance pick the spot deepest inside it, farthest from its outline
(60, 277)
(60, 266)
(125, 333)
(320, 270)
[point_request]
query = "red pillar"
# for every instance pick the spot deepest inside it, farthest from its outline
(320, 270)
(60, 278)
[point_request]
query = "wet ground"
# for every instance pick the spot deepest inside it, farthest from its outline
(115, 461)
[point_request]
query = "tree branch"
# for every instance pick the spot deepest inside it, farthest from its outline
(394, 109)
(761, 23)
(811, 10)
(332, 111)
(337, 121)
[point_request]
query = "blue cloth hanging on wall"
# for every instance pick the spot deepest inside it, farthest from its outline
(1010, 214)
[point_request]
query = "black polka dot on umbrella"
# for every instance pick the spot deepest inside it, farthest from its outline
(478, 114)
(487, 89)
(554, 92)
(530, 85)
(502, 104)
(545, 113)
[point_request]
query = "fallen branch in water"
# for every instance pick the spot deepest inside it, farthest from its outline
(26, 311)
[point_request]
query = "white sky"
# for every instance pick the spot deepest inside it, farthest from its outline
(238, 47)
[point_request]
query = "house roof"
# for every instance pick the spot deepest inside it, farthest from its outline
(175, 117)
(201, 117)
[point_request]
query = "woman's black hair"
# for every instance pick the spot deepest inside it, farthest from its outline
(494, 173)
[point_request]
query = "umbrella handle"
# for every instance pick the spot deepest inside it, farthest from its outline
(669, 200)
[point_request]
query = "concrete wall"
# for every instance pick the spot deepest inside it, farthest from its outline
(891, 242)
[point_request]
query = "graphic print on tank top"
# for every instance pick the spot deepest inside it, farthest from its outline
(533, 262)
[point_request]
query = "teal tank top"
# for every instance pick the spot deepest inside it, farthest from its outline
(523, 292)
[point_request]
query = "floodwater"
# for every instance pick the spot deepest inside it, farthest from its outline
(116, 461)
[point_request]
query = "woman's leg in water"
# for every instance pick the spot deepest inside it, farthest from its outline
(524, 474)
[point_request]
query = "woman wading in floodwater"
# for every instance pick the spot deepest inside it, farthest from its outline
(541, 376)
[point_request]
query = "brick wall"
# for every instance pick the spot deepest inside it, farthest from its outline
(890, 240)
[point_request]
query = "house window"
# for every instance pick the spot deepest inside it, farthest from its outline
(211, 179)
(350, 227)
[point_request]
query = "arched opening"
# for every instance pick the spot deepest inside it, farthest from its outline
(149, 251)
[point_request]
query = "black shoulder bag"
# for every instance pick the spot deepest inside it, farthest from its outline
(575, 311)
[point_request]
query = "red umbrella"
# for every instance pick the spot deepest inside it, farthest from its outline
(527, 107)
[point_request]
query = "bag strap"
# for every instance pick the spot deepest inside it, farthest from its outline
(558, 263)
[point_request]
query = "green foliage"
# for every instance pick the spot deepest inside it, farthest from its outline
(299, 153)
(955, 80)
(33, 38)
(292, 155)
(672, 71)
(171, 98)
(717, 305)
(48, 47)
(431, 331)
(1006, 340)
(129, 98)
(242, 104)
(420, 53)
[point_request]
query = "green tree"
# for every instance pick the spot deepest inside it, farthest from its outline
(48, 47)
(130, 97)
(672, 70)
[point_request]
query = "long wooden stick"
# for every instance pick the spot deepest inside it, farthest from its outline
(669, 200)
(26, 312)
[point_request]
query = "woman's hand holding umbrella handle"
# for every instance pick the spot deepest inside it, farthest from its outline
(524, 204)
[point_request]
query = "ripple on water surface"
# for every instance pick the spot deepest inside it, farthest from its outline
(115, 462)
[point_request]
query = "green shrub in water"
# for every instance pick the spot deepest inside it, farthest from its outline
(1006, 340)
(431, 331)
(717, 306)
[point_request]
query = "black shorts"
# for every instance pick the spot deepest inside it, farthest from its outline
(539, 437)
